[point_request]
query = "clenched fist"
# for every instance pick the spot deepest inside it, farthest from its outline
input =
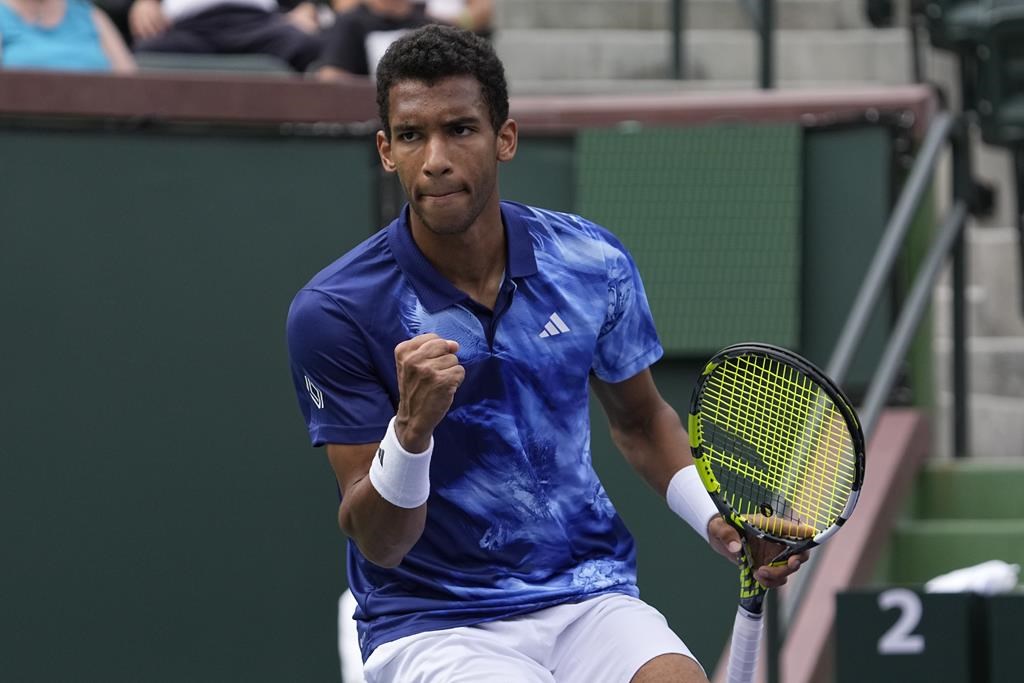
(428, 376)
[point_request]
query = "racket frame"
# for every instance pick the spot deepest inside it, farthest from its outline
(752, 594)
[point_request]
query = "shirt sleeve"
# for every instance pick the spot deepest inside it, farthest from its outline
(338, 387)
(628, 341)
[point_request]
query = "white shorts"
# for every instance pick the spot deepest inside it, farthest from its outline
(607, 639)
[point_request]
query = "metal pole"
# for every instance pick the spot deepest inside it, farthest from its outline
(677, 11)
(888, 247)
(767, 44)
(1018, 157)
(773, 637)
(961, 189)
(914, 25)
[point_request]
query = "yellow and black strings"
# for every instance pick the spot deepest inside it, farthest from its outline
(780, 446)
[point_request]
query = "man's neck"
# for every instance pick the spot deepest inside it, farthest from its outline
(473, 261)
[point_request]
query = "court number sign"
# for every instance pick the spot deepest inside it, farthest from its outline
(900, 635)
(900, 638)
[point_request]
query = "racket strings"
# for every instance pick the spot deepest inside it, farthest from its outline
(779, 444)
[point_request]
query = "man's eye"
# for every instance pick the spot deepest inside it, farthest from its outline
(461, 130)
(407, 136)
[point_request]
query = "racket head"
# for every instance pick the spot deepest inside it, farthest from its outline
(777, 445)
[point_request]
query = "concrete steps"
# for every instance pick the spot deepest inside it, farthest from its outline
(994, 292)
(974, 489)
(850, 56)
(995, 348)
(961, 513)
(655, 14)
(922, 550)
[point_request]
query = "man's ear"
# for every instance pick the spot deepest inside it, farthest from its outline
(508, 140)
(384, 150)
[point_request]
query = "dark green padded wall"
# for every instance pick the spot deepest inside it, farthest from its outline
(846, 202)
(711, 215)
(165, 519)
(164, 516)
(543, 173)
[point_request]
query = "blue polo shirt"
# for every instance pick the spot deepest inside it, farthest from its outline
(517, 519)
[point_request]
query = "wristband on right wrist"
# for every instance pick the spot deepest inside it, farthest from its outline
(400, 477)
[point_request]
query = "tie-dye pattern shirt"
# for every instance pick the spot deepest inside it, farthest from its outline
(517, 519)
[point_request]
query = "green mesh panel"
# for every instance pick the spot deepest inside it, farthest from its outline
(712, 217)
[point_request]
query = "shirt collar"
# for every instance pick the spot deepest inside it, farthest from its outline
(434, 291)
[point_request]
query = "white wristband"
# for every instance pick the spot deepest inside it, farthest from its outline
(688, 498)
(400, 477)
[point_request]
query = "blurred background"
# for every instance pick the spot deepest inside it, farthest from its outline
(173, 172)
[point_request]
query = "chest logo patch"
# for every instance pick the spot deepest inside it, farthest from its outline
(554, 327)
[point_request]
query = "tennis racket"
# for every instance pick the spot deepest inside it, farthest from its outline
(779, 448)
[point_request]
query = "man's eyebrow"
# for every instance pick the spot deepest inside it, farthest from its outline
(462, 120)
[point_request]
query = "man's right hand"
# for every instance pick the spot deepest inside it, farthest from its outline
(147, 19)
(429, 373)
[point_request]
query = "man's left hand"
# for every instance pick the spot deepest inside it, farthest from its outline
(725, 539)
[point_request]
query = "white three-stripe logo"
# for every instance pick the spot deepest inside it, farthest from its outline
(554, 326)
(314, 393)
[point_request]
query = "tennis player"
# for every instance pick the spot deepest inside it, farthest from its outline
(445, 363)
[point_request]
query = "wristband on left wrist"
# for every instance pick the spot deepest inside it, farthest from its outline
(687, 497)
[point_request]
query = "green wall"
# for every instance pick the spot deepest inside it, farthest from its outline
(164, 516)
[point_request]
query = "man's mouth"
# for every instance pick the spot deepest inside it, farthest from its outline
(440, 194)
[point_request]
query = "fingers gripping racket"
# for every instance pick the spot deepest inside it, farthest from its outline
(780, 449)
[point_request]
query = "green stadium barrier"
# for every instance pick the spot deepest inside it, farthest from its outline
(167, 519)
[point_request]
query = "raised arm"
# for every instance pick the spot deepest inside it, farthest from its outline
(383, 531)
(121, 60)
(385, 486)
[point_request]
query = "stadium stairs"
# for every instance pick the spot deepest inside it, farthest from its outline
(995, 347)
(567, 46)
(960, 514)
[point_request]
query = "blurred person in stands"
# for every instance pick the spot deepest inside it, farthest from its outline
(364, 30)
(227, 27)
(474, 15)
(67, 35)
(361, 34)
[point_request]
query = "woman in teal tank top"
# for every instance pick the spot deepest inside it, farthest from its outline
(67, 35)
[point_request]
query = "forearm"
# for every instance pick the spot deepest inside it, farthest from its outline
(383, 531)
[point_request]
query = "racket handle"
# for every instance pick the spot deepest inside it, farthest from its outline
(746, 641)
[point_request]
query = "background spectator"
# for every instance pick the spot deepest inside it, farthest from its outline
(227, 27)
(60, 34)
(474, 15)
(359, 37)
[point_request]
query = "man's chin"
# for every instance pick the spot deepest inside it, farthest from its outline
(444, 222)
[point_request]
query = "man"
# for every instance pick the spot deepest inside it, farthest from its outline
(445, 363)
(227, 27)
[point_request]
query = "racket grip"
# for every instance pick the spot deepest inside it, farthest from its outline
(746, 641)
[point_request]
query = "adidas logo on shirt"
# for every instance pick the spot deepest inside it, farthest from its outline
(555, 326)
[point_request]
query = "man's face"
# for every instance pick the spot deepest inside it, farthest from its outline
(445, 150)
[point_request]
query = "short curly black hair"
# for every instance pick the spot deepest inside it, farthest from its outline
(434, 52)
